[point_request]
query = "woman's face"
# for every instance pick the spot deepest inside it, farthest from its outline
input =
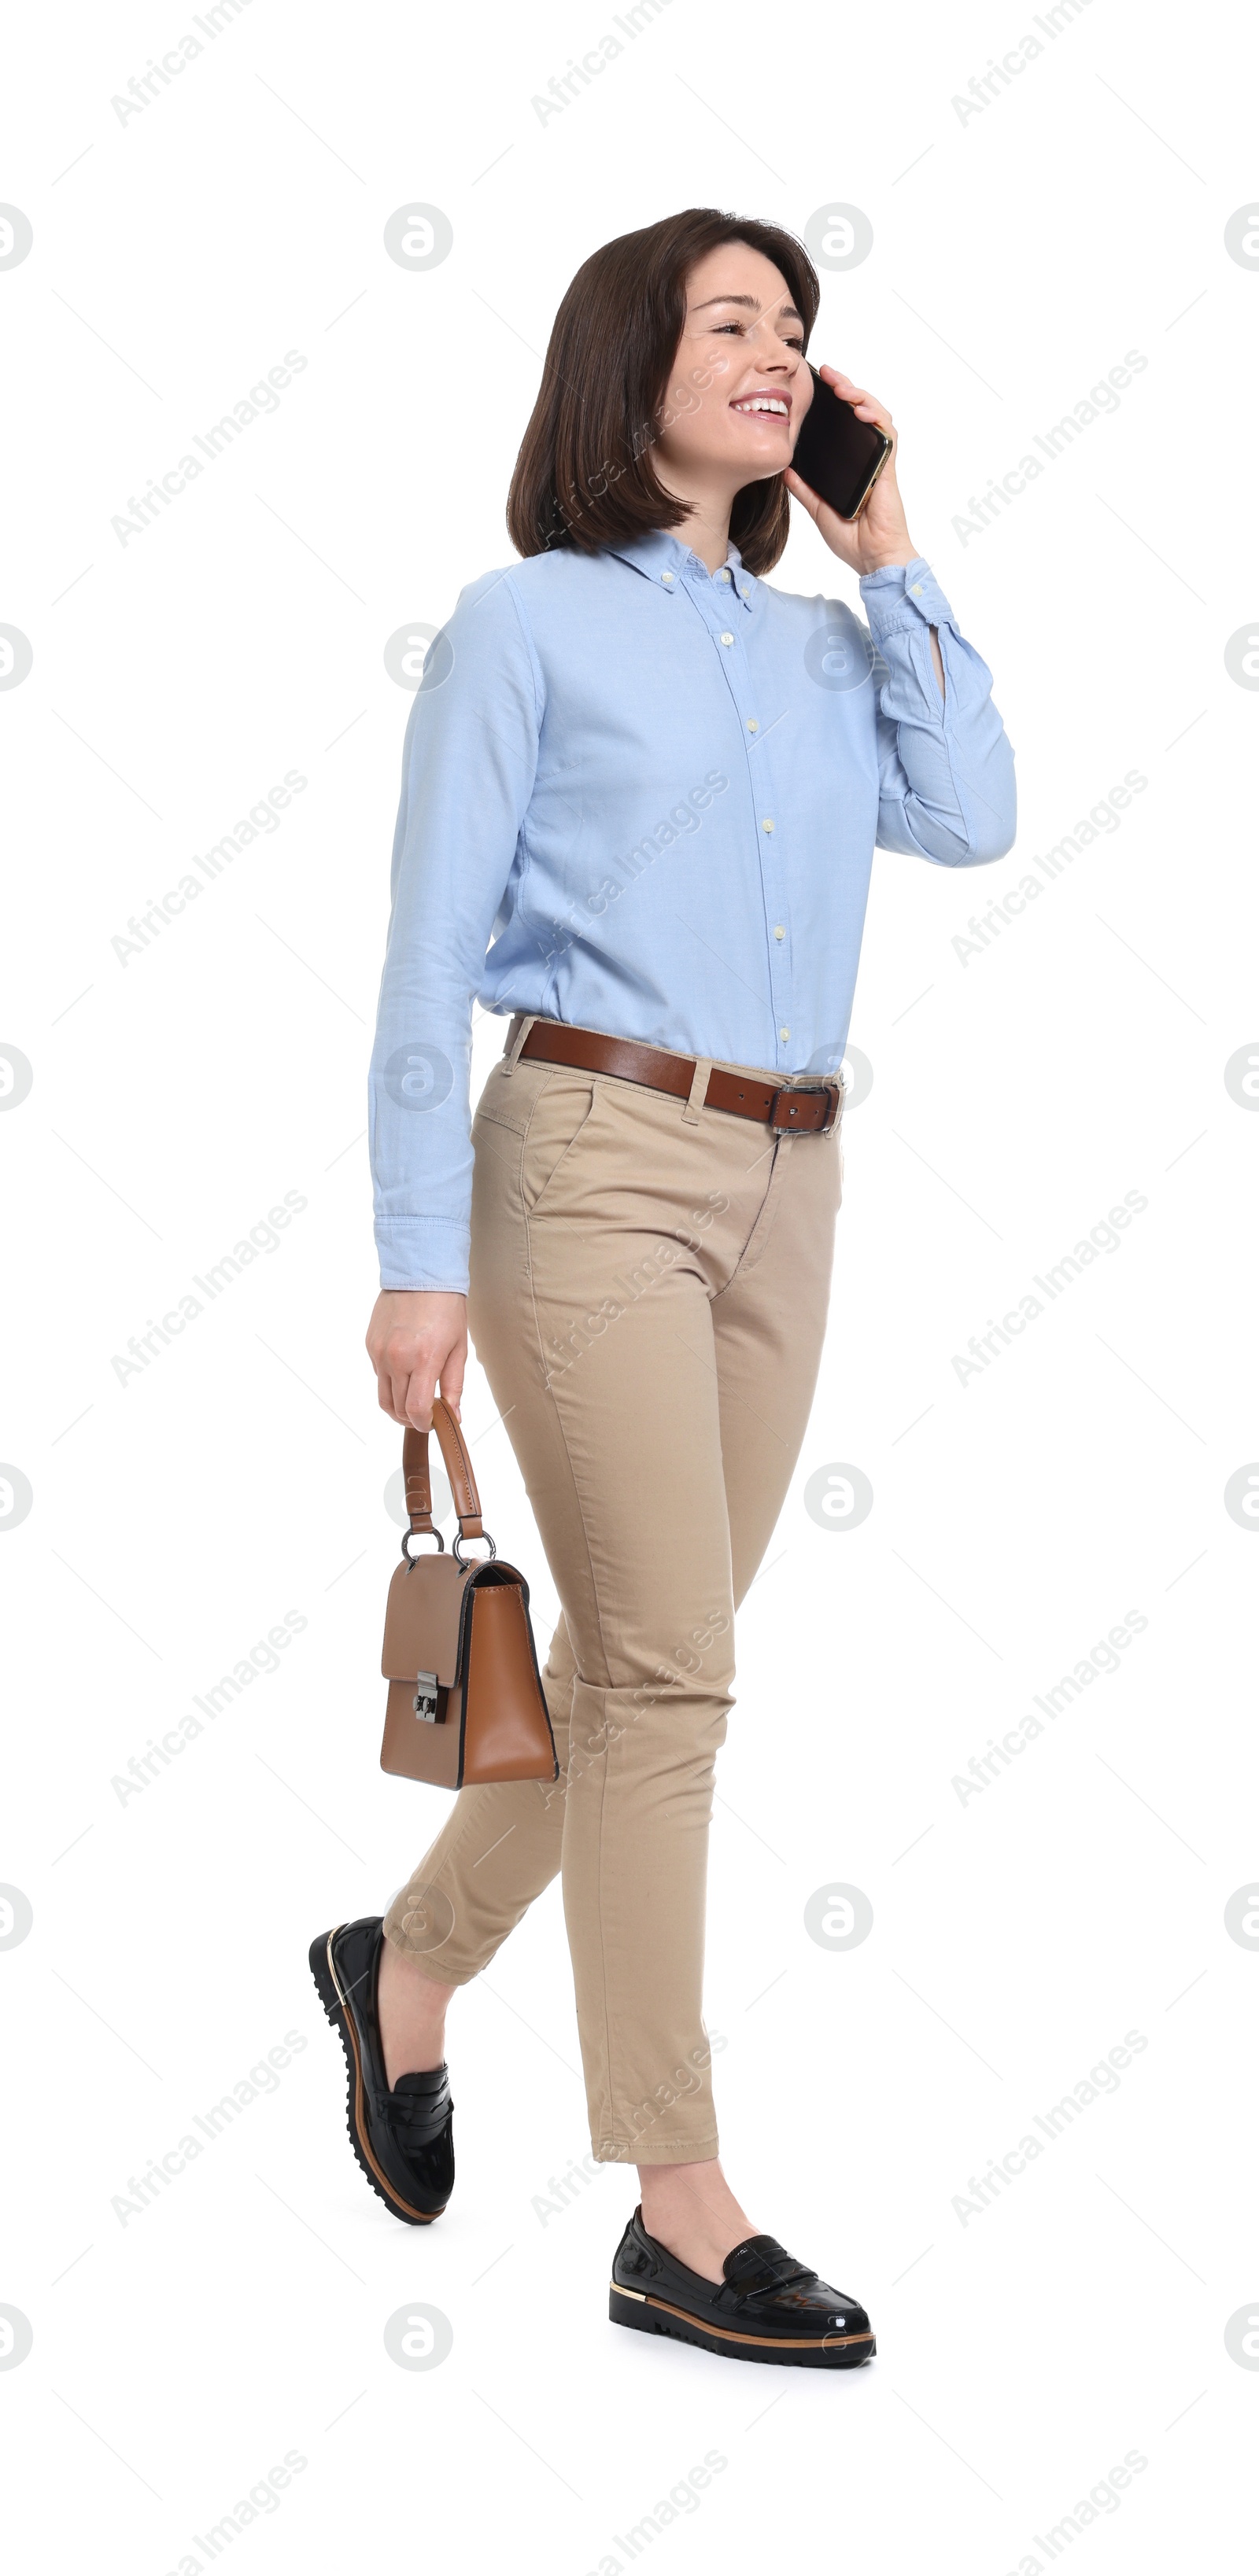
(740, 384)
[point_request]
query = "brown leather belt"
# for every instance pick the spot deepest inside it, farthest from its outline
(803, 1109)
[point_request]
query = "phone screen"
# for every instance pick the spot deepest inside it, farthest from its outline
(837, 455)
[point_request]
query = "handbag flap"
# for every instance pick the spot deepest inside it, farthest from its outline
(507, 1726)
(422, 1620)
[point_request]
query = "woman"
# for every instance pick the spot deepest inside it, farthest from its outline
(650, 787)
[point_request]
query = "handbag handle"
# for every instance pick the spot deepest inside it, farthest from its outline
(417, 1484)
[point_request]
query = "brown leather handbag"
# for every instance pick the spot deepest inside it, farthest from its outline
(465, 1702)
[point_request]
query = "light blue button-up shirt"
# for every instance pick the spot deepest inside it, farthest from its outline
(641, 797)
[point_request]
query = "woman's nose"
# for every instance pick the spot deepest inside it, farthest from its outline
(769, 338)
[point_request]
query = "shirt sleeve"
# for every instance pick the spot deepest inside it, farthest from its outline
(468, 767)
(946, 769)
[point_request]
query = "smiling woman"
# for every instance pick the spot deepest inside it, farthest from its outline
(640, 351)
(641, 796)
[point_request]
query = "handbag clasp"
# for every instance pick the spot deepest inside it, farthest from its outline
(425, 1700)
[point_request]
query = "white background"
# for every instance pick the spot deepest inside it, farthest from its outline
(178, 1515)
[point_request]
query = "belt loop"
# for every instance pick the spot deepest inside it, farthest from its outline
(511, 1057)
(698, 1091)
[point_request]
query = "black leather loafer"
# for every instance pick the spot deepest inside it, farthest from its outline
(403, 2139)
(768, 2307)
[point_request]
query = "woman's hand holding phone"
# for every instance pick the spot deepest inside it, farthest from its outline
(880, 536)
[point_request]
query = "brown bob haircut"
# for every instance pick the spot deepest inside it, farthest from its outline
(584, 476)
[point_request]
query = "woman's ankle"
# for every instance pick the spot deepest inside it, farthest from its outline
(692, 2211)
(411, 2011)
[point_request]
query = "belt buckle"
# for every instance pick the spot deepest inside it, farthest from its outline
(830, 1090)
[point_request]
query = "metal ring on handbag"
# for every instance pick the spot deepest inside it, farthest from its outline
(474, 1560)
(414, 1533)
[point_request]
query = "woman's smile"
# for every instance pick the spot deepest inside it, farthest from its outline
(776, 404)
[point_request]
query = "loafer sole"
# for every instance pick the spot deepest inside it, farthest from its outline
(650, 2315)
(328, 1987)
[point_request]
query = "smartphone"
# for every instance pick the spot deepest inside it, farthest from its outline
(837, 455)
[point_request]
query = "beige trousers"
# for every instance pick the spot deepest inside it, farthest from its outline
(649, 1293)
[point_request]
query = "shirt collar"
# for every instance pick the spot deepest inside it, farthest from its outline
(663, 557)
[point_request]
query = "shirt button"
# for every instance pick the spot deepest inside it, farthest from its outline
(779, 931)
(727, 639)
(916, 587)
(753, 726)
(768, 823)
(784, 1033)
(723, 575)
(666, 576)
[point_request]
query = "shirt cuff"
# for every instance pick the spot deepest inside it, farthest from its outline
(423, 1252)
(900, 596)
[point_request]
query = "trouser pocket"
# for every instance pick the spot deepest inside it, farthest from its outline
(563, 1115)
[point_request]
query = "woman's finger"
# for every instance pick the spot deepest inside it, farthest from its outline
(417, 1403)
(451, 1380)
